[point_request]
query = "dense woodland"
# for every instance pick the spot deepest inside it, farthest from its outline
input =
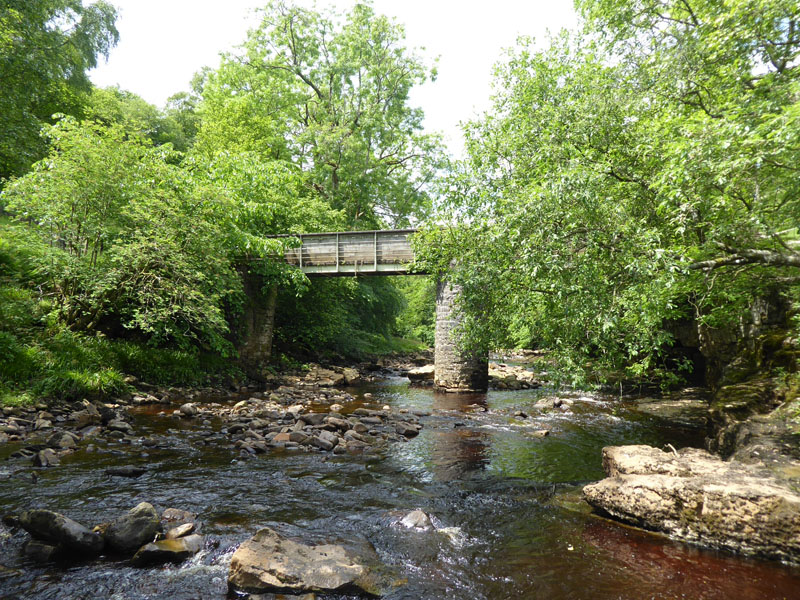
(638, 172)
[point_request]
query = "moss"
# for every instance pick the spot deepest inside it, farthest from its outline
(746, 398)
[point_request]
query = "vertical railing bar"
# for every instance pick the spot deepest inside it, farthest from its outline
(337, 252)
(301, 251)
(375, 252)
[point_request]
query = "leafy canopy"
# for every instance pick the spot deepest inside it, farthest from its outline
(46, 48)
(642, 171)
(329, 94)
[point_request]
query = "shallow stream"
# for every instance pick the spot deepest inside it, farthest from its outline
(506, 501)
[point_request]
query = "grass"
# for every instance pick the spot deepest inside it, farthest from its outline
(42, 360)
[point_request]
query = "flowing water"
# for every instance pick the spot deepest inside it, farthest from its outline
(507, 505)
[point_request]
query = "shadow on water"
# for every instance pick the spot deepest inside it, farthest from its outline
(507, 503)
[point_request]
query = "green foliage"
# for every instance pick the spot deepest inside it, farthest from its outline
(115, 106)
(46, 48)
(417, 320)
(126, 239)
(642, 171)
(340, 316)
(329, 94)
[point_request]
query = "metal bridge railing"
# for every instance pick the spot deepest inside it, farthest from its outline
(386, 252)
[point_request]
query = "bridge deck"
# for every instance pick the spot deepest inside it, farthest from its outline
(386, 252)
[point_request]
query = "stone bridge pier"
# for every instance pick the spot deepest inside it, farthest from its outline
(456, 370)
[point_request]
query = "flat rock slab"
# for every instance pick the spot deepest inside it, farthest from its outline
(696, 497)
(271, 563)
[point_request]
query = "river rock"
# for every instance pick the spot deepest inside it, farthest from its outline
(421, 373)
(312, 418)
(351, 375)
(61, 439)
(417, 519)
(138, 527)
(696, 497)
(406, 429)
(40, 551)
(269, 562)
(179, 531)
(120, 425)
(46, 458)
(168, 551)
(189, 409)
(53, 527)
(177, 515)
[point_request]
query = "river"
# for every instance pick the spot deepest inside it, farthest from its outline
(506, 501)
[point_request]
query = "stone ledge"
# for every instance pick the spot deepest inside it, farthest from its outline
(696, 497)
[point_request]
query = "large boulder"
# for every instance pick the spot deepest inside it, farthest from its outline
(53, 527)
(271, 563)
(696, 497)
(134, 529)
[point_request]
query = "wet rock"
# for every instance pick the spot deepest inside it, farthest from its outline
(179, 531)
(49, 526)
(269, 562)
(126, 471)
(168, 551)
(299, 437)
(313, 418)
(421, 373)
(40, 551)
(351, 375)
(189, 409)
(539, 433)
(120, 425)
(417, 519)
(339, 423)
(325, 440)
(176, 515)
(406, 429)
(138, 527)
(46, 458)
(62, 439)
(696, 497)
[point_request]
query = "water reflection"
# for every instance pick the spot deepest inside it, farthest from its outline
(460, 451)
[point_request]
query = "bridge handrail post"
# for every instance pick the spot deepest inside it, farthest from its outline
(337, 251)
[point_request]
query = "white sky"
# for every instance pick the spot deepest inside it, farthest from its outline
(164, 42)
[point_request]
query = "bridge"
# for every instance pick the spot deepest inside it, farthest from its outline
(354, 253)
(349, 253)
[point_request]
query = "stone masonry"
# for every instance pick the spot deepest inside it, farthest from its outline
(456, 370)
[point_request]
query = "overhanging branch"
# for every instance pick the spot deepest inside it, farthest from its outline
(750, 257)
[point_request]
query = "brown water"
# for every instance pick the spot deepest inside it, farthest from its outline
(510, 501)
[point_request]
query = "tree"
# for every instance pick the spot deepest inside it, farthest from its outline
(46, 48)
(639, 172)
(133, 113)
(330, 95)
(130, 240)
